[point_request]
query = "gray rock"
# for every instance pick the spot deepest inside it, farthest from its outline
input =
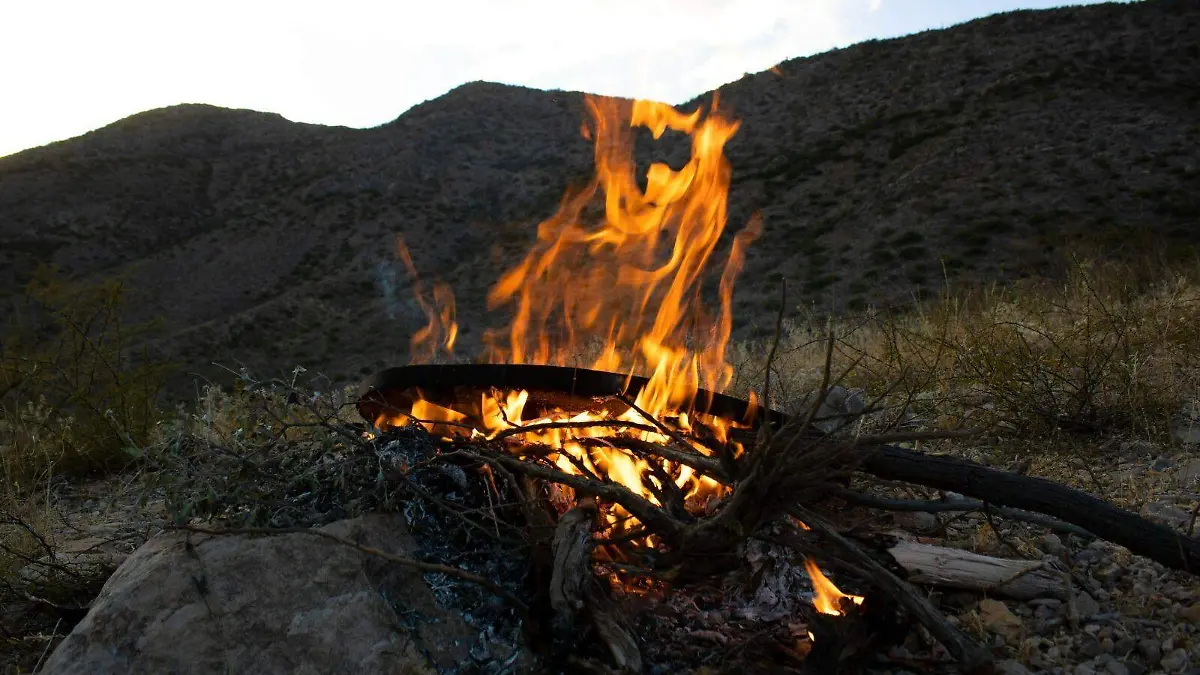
(1161, 464)
(290, 603)
(1051, 543)
(1150, 651)
(1089, 646)
(1166, 513)
(1087, 606)
(1134, 667)
(1011, 667)
(838, 409)
(1176, 661)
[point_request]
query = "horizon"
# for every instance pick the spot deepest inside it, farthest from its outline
(333, 69)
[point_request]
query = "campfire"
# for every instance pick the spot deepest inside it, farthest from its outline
(599, 407)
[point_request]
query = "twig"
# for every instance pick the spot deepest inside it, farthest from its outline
(938, 506)
(987, 513)
(369, 550)
(37, 666)
(766, 423)
(544, 426)
(641, 508)
(664, 429)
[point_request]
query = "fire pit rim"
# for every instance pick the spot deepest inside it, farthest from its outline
(376, 391)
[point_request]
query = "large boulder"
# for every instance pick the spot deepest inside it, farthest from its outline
(289, 603)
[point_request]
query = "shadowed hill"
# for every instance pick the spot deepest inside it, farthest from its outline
(976, 151)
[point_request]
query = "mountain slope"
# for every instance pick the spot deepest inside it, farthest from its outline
(978, 150)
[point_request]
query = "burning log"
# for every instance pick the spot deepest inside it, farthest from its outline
(576, 596)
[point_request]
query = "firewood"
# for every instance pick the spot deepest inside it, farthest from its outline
(1157, 542)
(954, 568)
(579, 602)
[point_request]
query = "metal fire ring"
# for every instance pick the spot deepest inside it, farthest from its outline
(549, 386)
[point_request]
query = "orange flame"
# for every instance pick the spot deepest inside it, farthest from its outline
(633, 282)
(629, 284)
(442, 330)
(826, 596)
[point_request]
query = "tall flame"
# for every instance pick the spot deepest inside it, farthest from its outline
(627, 280)
(633, 282)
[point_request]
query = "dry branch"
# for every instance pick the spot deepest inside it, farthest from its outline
(955, 568)
(1157, 542)
(943, 505)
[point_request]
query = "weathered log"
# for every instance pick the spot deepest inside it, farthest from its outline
(954, 568)
(1154, 541)
(577, 598)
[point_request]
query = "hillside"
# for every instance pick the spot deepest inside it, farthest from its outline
(979, 150)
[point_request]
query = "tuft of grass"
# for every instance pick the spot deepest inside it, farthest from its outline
(1110, 348)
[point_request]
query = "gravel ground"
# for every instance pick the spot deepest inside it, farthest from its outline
(1125, 614)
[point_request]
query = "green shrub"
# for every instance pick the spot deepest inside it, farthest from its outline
(78, 384)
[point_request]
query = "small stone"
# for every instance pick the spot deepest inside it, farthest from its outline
(1115, 667)
(1134, 668)
(1088, 555)
(1176, 661)
(1124, 645)
(916, 521)
(1191, 614)
(1089, 646)
(1011, 667)
(1087, 606)
(1051, 543)
(1150, 650)
(997, 617)
(1161, 463)
(1106, 645)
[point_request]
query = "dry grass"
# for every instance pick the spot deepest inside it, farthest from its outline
(1110, 349)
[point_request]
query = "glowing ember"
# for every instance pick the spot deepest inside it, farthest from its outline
(826, 596)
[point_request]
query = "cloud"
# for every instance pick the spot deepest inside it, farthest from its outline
(874, 5)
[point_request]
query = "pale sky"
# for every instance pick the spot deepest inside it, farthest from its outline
(70, 66)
